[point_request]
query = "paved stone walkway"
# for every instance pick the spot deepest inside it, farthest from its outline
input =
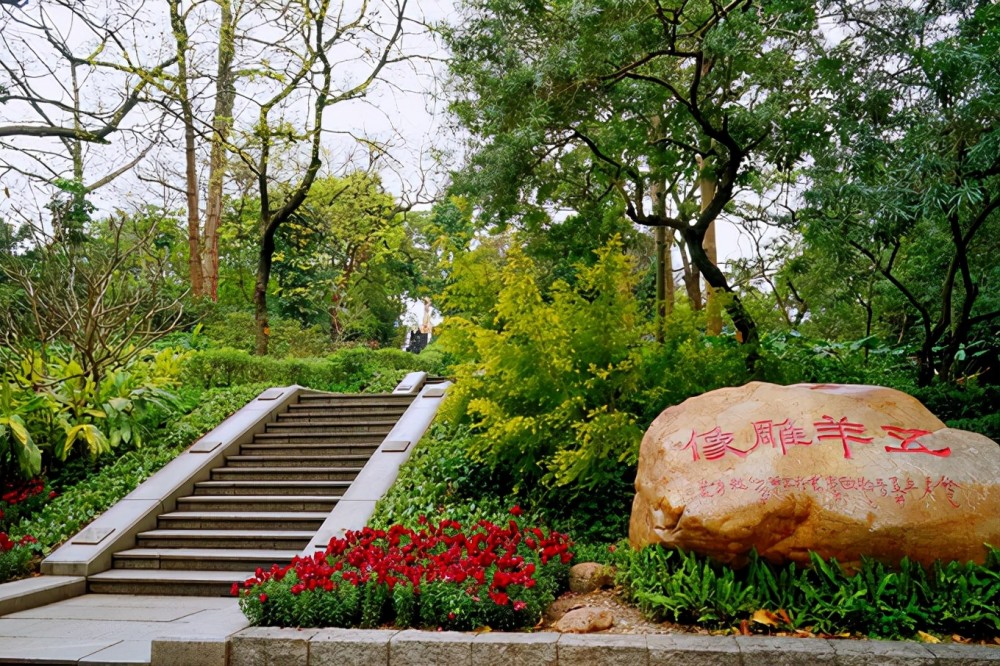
(112, 628)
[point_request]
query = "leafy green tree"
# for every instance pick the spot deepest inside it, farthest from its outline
(340, 231)
(330, 55)
(681, 100)
(910, 183)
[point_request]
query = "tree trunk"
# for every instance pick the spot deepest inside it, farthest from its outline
(664, 271)
(264, 261)
(746, 327)
(925, 363)
(714, 312)
(692, 279)
(222, 122)
(179, 28)
(193, 217)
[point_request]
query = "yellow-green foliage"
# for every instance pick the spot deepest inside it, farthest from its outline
(543, 386)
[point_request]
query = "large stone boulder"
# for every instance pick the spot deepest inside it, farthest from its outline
(841, 470)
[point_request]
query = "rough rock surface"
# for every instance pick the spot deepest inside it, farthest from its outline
(558, 608)
(589, 576)
(584, 621)
(842, 470)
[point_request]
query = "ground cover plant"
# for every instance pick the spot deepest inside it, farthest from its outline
(823, 598)
(444, 575)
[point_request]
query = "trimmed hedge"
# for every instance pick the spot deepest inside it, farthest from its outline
(349, 370)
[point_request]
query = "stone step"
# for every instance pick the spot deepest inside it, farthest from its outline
(351, 400)
(271, 487)
(331, 427)
(339, 415)
(357, 461)
(160, 582)
(284, 473)
(242, 520)
(257, 503)
(201, 559)
(310, 448)
(238, 539)
(360, 437)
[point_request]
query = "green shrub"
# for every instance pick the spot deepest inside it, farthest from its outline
(238, 330)
(688, 363)
(558, 385)
(988, 424)
(51, 412)
(791, 358)
(877, 600)
(349, 370)
(543, 390)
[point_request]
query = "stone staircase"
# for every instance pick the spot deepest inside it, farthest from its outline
(261, 506)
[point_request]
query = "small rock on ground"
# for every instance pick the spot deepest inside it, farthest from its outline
(584, 621)
(589, 576)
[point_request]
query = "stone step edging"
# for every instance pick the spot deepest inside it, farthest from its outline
(345, 647)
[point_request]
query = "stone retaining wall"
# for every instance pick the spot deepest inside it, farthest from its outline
(265, 646)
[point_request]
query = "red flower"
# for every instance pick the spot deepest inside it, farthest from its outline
(500, 598)
(520, 605)
(516, 511)
(262, 597)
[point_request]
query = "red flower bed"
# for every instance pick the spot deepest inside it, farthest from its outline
(16, 501)
(17, 493)
(7, 544)
(444, 575)
(15, 556)
(20, 499)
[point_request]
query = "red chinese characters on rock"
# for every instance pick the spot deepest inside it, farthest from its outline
(716, 443)
(844, 431)
(946, 484)
(788, 435)
(909, 439)
(838, 489)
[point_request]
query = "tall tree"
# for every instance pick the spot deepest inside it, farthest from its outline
(910, 184)
(721, 80)
(344, 235)
(203, 230)
(316, 39)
